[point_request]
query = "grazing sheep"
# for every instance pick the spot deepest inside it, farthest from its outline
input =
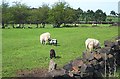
(52, 53)
(53, 42)
(44, 38)
(92, 44)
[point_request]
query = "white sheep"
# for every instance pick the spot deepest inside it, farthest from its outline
(44, 38)
(92, 44)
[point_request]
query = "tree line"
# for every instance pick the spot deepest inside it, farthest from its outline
(59, 13)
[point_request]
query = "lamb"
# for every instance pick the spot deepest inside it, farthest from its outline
(52, 53)
(45, 38)
(92, 44)
(53, 42)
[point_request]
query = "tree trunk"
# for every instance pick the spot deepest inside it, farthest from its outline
(13, 25)
(37, 25)
(3, 25)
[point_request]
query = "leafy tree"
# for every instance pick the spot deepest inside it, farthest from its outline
(113, 13)
(33, 15)
(104, 16)
(90, 15)
(39, 15)
(70, 15)
(84, 16)
(43, 14)
(45, 10)
(100, 16)
(79, 14)
(5, 13)
(20, 13)
(57, 13)
(62, 13)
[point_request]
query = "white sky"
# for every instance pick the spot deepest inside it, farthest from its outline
(105, 5)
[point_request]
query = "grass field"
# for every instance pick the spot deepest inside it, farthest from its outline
(21, 49)
(114, 19)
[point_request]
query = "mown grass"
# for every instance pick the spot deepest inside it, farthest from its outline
(22, 50)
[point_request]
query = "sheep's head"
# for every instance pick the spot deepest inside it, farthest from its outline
(49, 39)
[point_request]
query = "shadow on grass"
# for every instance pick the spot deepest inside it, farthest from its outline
(55, 44)
(57, 57)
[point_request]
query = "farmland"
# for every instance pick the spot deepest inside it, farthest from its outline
(21, 49)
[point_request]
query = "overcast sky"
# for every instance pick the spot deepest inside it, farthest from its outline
(105, 5)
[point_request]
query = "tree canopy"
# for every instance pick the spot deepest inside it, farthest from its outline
(58, 13)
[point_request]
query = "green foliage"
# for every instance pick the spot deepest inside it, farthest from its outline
(38, 15)
(5, 12)
(62, 13)
(79, 14)
(100, 16)
(113, 13)
(21, 49)
(59, 13)
(34, 13)
(19, 12)
(112, 19)
(44, 10)
(90, 15)
(70, 15)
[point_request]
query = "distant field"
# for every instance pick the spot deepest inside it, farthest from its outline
(48, 26)
(21, 49)
(114, 19)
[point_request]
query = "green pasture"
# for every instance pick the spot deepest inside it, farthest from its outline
(21, 49)
(114, 18)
